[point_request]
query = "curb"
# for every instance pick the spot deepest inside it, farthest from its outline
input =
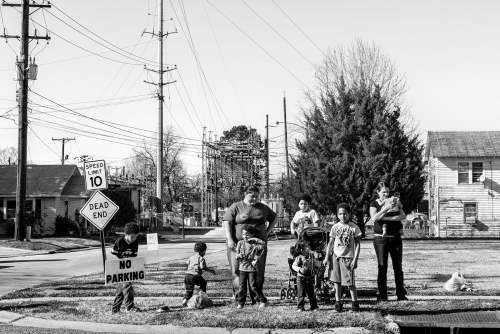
(19, 320)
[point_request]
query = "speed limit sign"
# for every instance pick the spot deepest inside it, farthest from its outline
(95, 175)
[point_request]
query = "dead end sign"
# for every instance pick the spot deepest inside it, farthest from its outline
(99, 210)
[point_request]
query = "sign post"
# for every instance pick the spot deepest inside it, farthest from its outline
(99, 209)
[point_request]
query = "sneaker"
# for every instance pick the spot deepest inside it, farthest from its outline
(134, 309)
(355, 306)
(239, 306)
(113, 311)
(299, 309)
(184, 302)
(263, 304)
(338, 306)
(163, 309)
(314, 309)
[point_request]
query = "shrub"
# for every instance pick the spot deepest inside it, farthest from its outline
(65, 225)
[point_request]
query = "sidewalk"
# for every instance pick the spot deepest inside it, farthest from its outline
(16, 319)
(13, 252)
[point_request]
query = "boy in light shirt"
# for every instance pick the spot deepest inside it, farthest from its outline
(344, 237)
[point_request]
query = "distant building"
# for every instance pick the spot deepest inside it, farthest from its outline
(464, 183)
(51, 190)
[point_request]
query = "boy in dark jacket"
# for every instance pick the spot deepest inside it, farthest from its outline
(126, 246)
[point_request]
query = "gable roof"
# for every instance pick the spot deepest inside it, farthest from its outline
(43, 180)
(463, 144)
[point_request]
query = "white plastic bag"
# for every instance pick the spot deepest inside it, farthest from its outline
(456, 282)
(199, 300)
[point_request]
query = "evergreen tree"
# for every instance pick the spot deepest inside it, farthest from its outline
(354, 139)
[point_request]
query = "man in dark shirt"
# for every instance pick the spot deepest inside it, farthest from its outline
(243, 213)
(126, 246)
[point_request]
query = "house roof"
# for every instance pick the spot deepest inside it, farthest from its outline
(463, 144)
(43, 181)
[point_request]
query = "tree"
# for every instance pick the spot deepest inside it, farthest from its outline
(143, 165)
(239, 133)
(355, 137)
(126, 213)
(8, 155)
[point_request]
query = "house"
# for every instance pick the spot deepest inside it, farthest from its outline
(464, 183)
(51, 191)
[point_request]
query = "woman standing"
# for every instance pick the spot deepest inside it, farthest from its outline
(249, 211)
(382, 213)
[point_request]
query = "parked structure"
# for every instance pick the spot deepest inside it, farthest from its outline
(51, 191)
(464, 183)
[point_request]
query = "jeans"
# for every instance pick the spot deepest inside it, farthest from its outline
(190, 281)
(234, 265)
(394, 247)
(305, 286)
(249, 278)
(124, 293)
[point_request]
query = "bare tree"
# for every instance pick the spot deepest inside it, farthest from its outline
(8, 155)
(143, 164)
(361, 66)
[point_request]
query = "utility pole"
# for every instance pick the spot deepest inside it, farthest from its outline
(267, 156)
(23, 76)
(203, 178)
(286, 140)
(161, 98)
(63, 141)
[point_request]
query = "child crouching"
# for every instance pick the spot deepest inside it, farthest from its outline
(344, 236)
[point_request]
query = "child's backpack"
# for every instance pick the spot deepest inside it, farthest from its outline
(199, 300)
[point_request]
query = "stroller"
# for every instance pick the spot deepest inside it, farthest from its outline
(312, 243)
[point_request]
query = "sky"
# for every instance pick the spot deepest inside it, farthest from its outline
(235, 60)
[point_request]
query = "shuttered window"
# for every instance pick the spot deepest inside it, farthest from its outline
(463, 172)
(477, 171)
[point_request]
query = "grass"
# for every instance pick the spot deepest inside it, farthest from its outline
(427, 265)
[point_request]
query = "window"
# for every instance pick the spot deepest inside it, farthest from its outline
(463, 172)
(477, 171)
(11, 209)
(470, 212)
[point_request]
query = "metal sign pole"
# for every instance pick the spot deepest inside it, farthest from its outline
(103, 251)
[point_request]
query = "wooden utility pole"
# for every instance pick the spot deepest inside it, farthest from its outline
(267, 157)
(286, 140)
(23, 71)
(160, 96)
(203, 178)
(63, 141)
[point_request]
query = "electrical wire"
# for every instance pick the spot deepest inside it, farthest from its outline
(257, 44)
(277, 33)
(299, 28)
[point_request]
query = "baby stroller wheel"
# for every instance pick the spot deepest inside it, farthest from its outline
(291, 293)
(283, 293)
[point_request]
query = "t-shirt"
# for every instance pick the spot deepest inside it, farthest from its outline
(249, 250)
(393, 227)
(121, 248)
(303, 220)
(196, 264)
(239, 214)
(344, 234)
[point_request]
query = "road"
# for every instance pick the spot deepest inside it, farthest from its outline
(26, 271)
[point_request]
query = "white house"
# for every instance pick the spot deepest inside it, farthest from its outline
(464, 183)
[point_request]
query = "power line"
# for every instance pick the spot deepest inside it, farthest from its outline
(299, 28)
(257, 44)
(277, 32)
